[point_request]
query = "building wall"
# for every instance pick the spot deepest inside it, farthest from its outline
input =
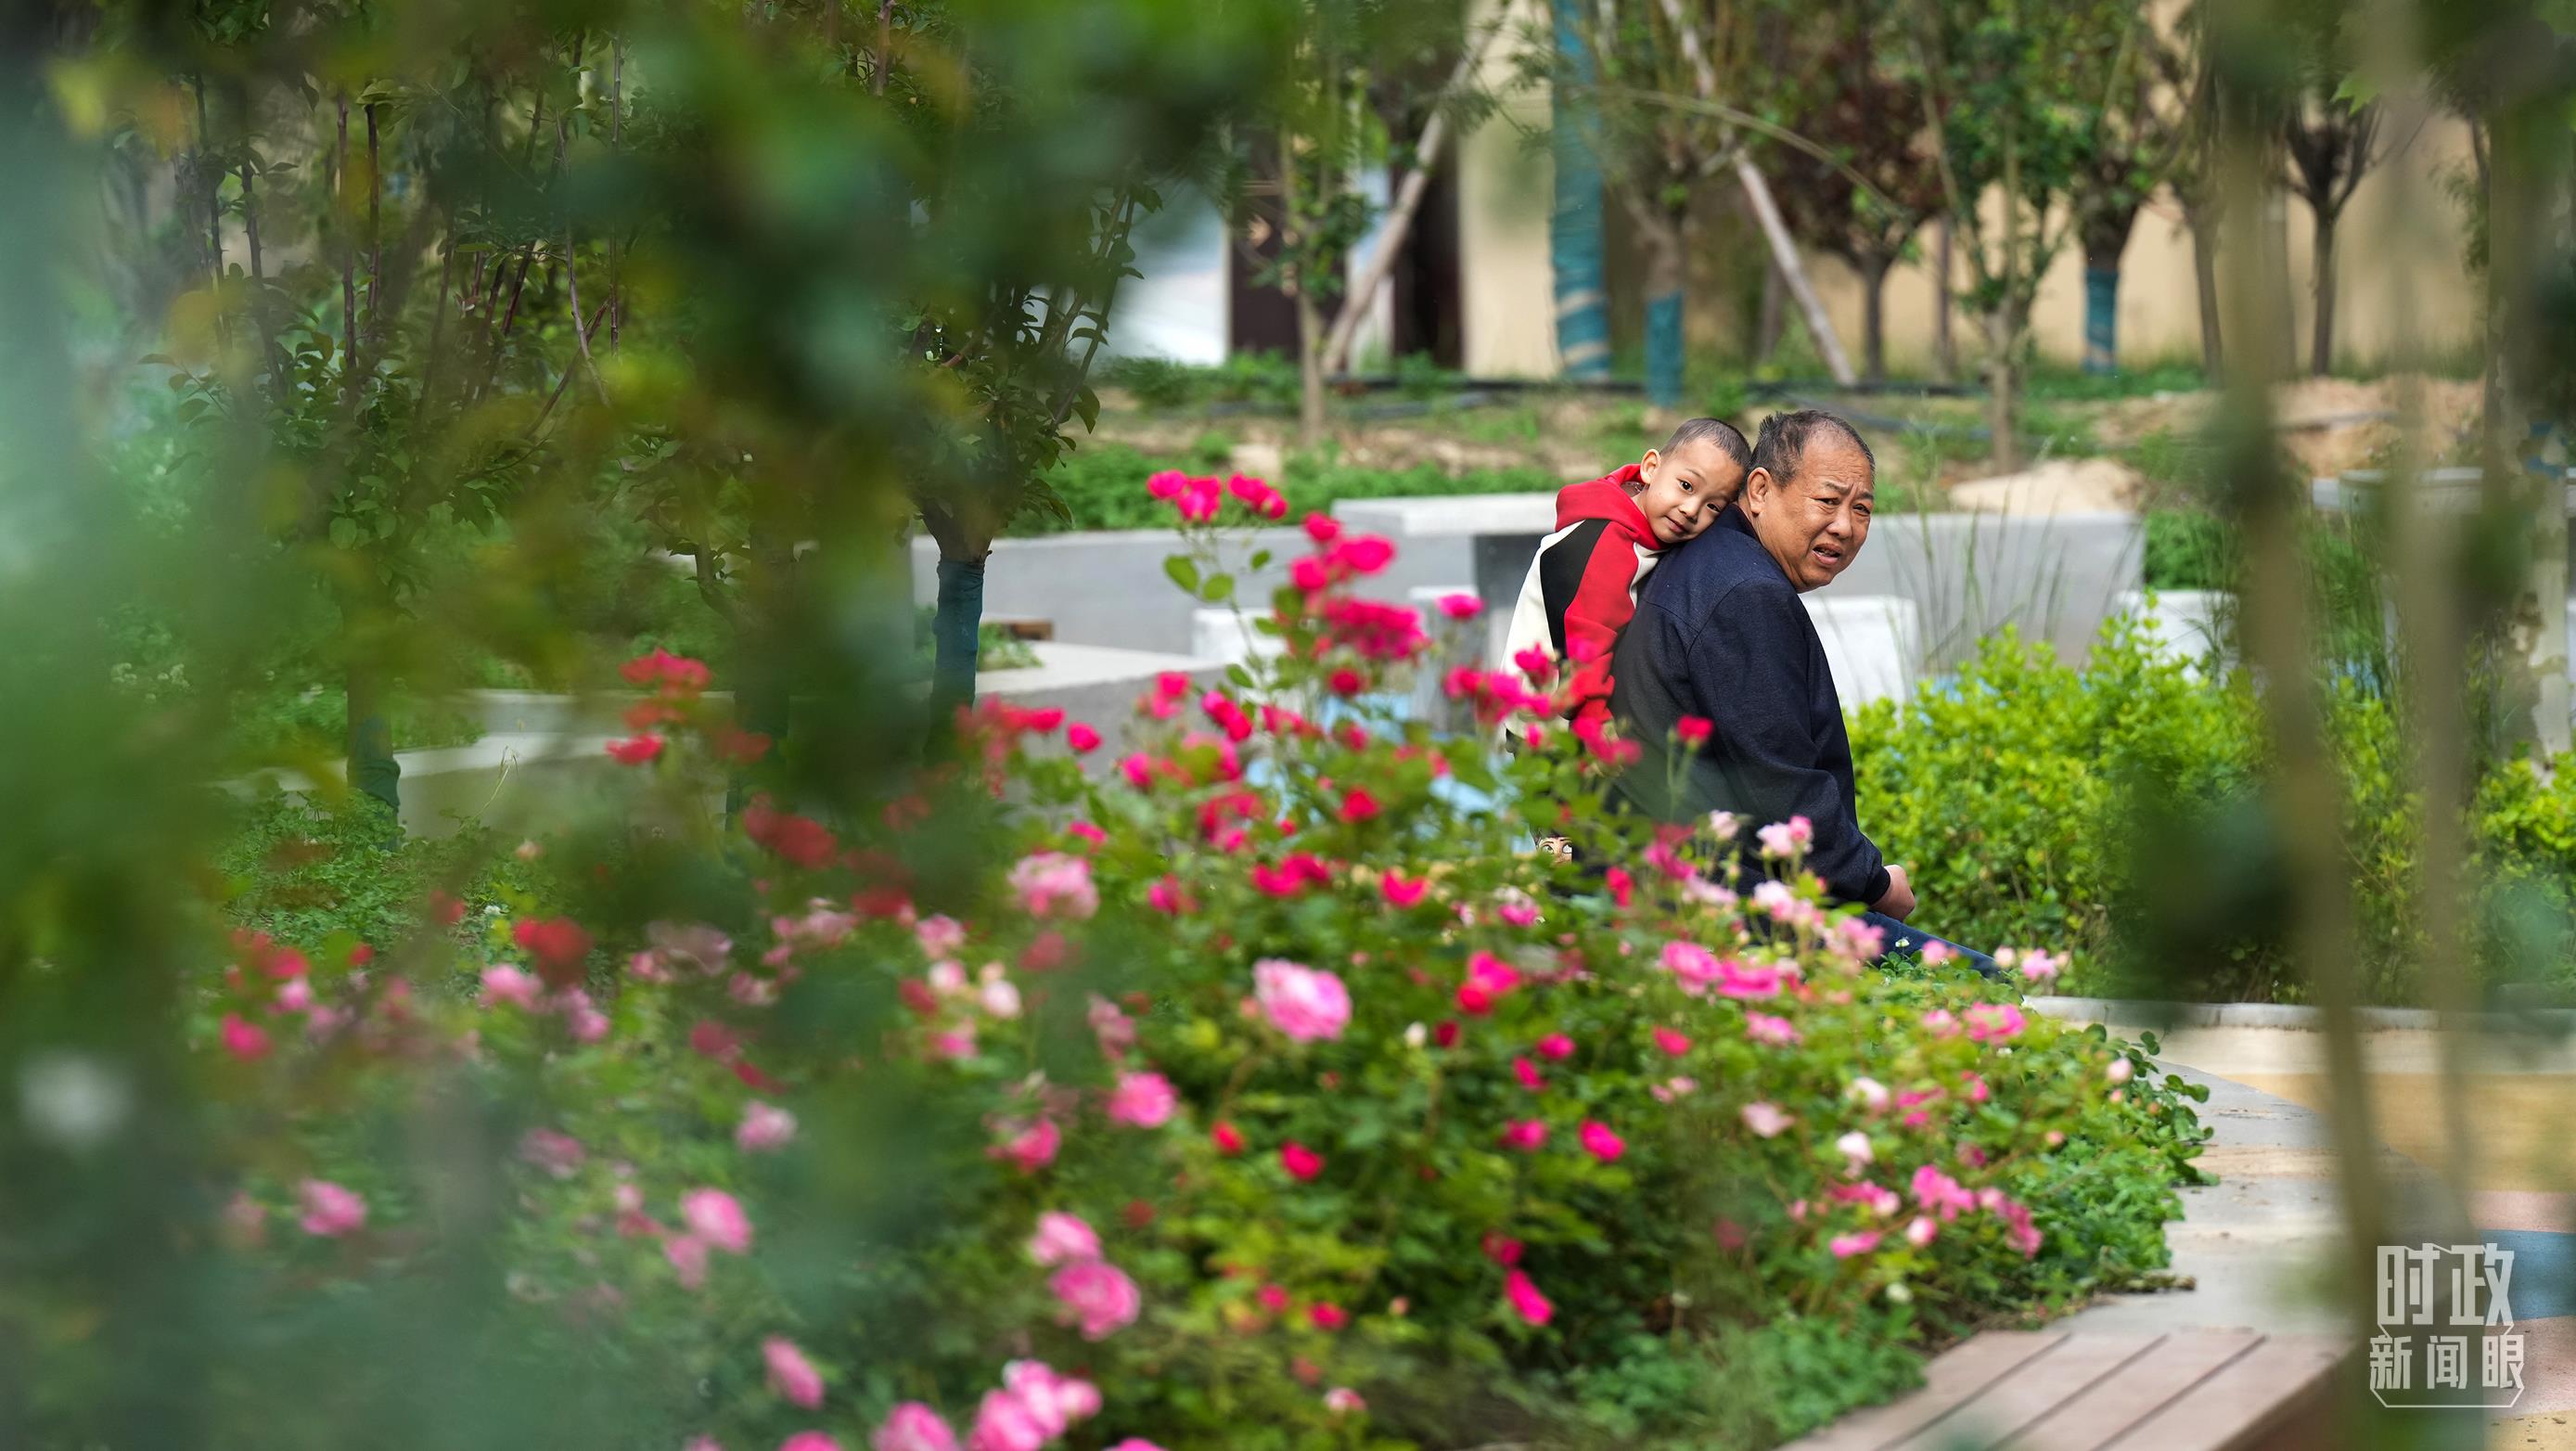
(1507, 286)
(2400, 246)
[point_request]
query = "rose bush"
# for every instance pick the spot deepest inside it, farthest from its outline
(1260, 1087)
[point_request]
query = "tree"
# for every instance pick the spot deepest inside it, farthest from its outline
(2330, 142)
(1866, 196)
(2009, 117)
(2192, 171)
(1656, 69)
(2136, 136)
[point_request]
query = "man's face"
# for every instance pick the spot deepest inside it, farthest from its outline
(1814, 524)
(1687, 488)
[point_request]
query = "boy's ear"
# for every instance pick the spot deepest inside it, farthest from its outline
(1646, 467)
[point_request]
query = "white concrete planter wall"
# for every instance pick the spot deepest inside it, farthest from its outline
(1873, 644)
(2186, 625)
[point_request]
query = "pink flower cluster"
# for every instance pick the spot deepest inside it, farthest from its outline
(1306, 1004)
(1051, 884)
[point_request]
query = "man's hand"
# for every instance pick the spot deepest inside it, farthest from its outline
(1898, 901)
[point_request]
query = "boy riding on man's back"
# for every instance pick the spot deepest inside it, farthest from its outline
(1610, 533)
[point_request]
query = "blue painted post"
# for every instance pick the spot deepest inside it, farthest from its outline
(1574, 225)
(953, 629)
(2101, 320)
(1664, 349)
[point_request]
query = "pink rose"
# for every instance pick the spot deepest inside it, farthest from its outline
(244, 1040)
(1003, 1423)
(1600, 1142)
(1526, 1300)
(1342, 1400)
(329, 1210)
(763, 1127)
(1302, 1002)
(688, 1256)
(1844, 1246)
(809, 1441)
(1302, 1163)
(717, 1217)
(791, 1374)
(506, 984)
(1143, 1100)
(939, 936)
(1556, 1046)
(1063, 1239)
(1029, 1147)
(1994, 1022)
(1764, 1028)
(1527, 1135)
(558, 1154)
(1098, 1295)
(912, 1426)
(1051, 884)
(1489, 978)
(1766, 1120)
(1920, 1232)
(1671, 1042)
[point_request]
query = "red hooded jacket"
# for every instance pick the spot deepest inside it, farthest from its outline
(1582, 588)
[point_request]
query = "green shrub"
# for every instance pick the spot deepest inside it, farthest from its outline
(2005, 788)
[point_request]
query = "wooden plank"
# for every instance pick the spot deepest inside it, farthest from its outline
(1952, 1377)
(2236, 1406)
(2033, 1389)
(2097, 1416)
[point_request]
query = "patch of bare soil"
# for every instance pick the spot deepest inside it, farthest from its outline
(2058, 486)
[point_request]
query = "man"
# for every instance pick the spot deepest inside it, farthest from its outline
(1719, 634)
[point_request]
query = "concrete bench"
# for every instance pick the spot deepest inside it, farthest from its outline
(2060, 1390)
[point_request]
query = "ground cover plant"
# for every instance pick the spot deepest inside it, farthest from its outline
(1256, 1088)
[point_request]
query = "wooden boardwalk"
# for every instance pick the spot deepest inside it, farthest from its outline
(2064, 1390)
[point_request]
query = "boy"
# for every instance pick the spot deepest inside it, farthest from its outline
(1582, 587)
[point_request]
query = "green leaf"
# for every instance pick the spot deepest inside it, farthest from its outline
(1219, 589)
(344, 533)
(1183, 570)
(1260, 559)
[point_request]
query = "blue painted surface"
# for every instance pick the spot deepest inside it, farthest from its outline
(1574, 223)
(2101, 320)
(1664, 350)
(2544, 1272)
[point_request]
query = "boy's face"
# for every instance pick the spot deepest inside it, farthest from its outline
(1687, 489)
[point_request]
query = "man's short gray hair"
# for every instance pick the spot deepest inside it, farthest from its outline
(1782, 448)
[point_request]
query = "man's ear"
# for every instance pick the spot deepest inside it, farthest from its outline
(1757, 492)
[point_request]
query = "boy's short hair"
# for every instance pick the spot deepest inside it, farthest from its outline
(1783, 445)
(1718, 431)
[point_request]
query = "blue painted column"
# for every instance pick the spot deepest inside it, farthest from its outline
(1574, 225)
(1664, 350)
(2101, 320)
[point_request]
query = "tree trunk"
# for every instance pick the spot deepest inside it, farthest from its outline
(1769, 319)
(1662, 239)
(954, 629)
(1574, 222)
(1310, 318)
(1873, 319)
(764, 635)
(2204, 271)
(2321, 345)
(368, 738)
(2101, 318)
(2003, 389)
(1945, 346)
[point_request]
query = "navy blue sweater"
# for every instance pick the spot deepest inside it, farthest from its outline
(1719, 634)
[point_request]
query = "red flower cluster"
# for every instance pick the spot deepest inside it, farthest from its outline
(799, 840)
(1198, 500)
(1374, 629)
(1496, 694)
(558, 944)
(1295, 872)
